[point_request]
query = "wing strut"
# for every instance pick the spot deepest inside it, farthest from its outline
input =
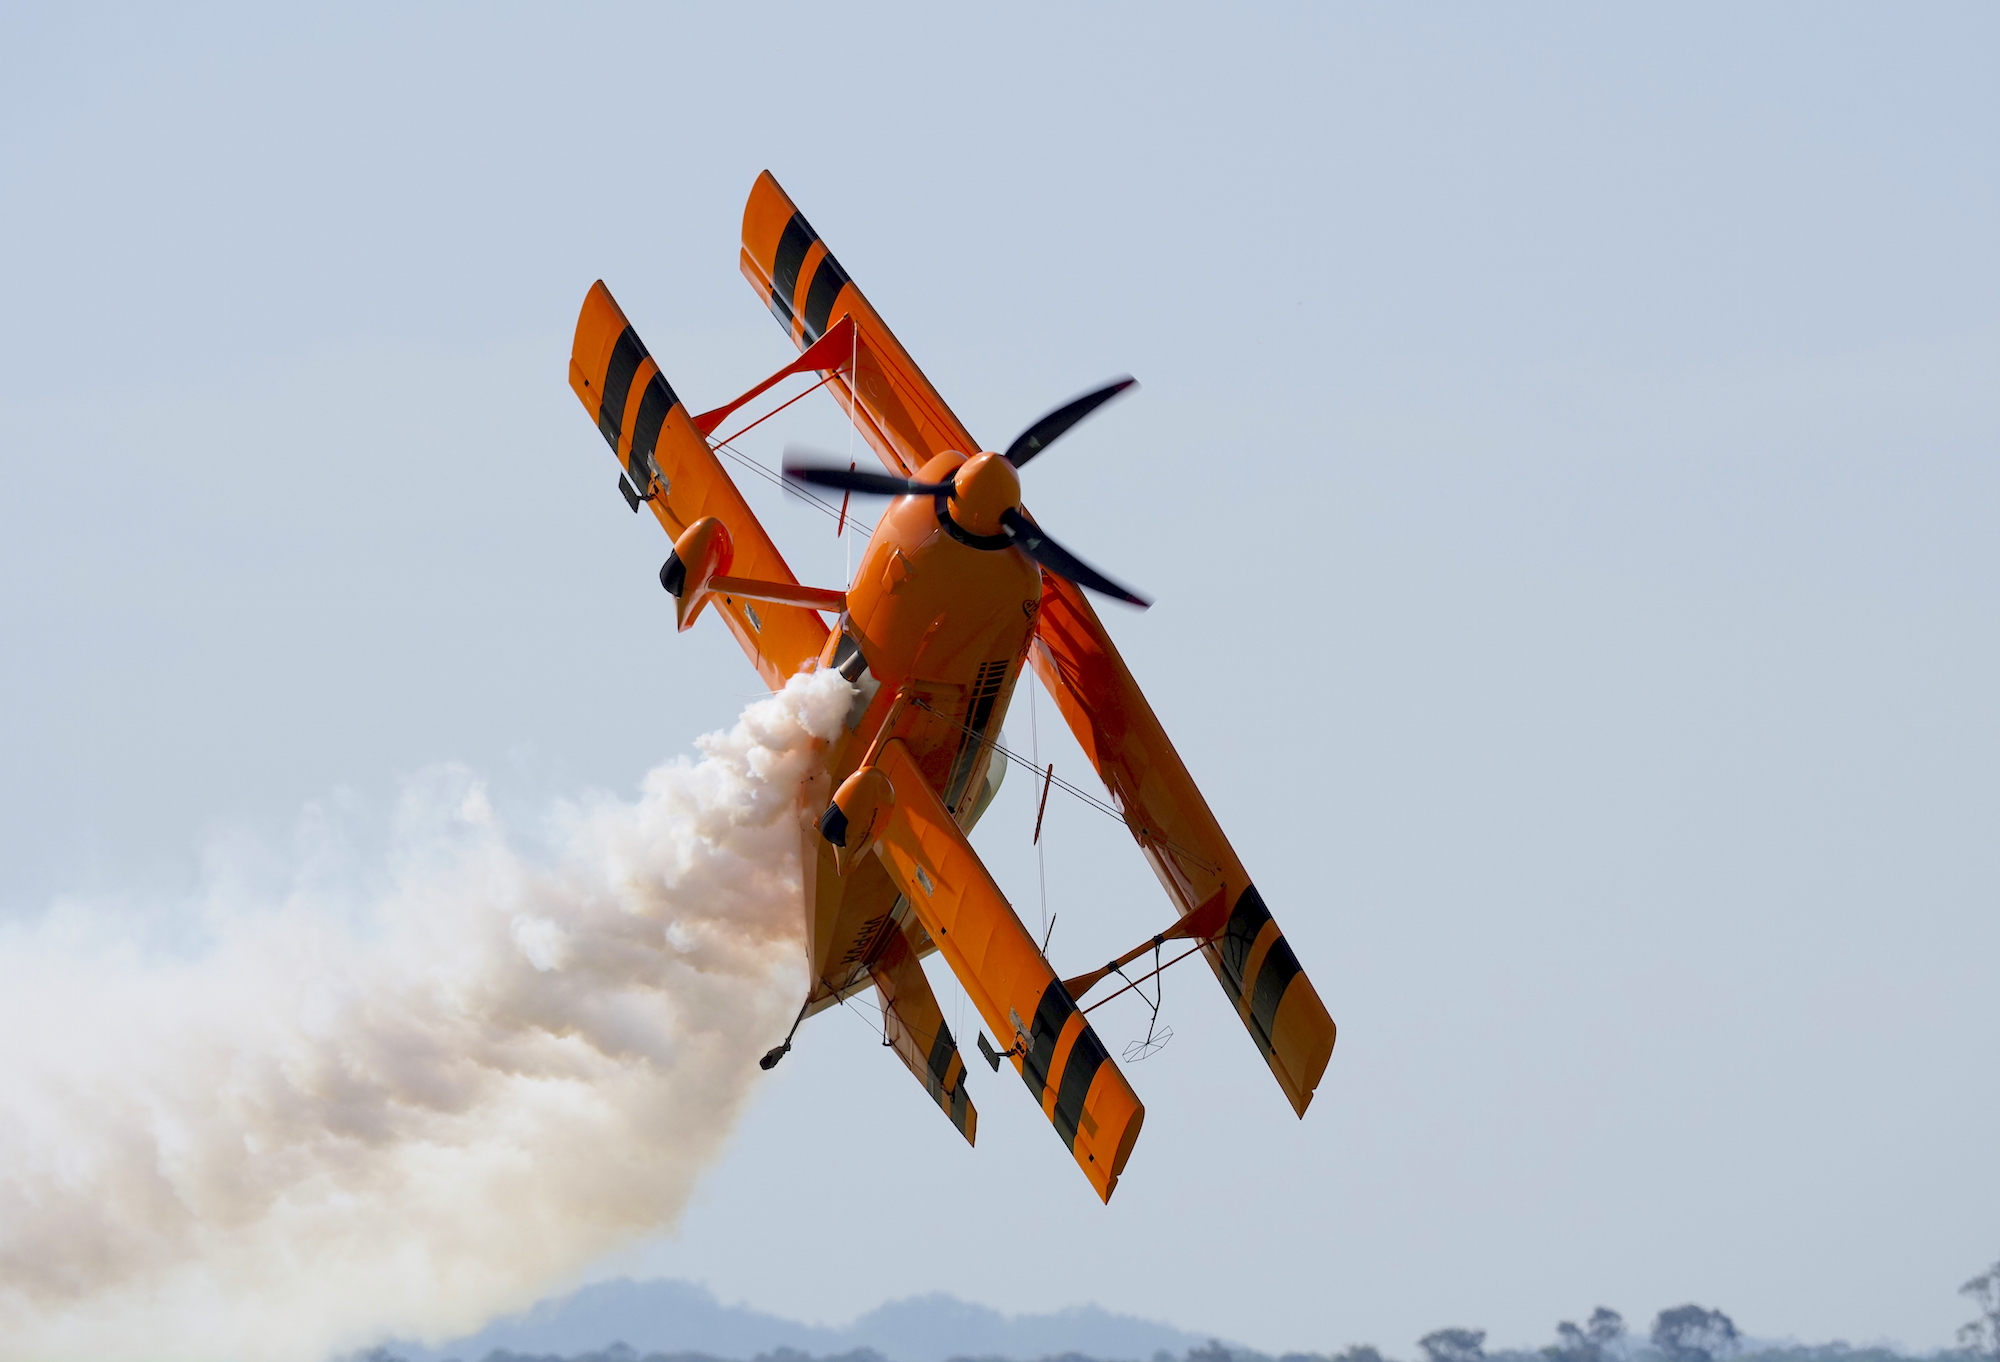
(833, 351)
(1201, 926)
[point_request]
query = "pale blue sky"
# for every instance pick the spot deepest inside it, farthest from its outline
(1566, 463)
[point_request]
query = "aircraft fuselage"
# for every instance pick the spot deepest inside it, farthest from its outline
(937, 628)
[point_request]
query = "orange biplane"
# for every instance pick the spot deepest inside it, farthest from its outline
(958, 588)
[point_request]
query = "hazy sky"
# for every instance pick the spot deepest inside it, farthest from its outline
(1566, 463)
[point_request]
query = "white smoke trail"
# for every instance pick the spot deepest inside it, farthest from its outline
(326, 1125)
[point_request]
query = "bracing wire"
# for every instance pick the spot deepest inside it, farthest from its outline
(880, 1028)
(853, 396)
(1108, 810)
(1157, 1035)
(775, 410)
(1144, 977)
(1041, 852)
(779, 479)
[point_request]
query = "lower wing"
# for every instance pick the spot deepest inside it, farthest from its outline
(1055, 1050)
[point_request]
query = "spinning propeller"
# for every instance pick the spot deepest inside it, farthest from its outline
(985, 493)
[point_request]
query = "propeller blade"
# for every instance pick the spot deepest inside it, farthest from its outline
(1051, 427)
(857, 480)
(1028, 537)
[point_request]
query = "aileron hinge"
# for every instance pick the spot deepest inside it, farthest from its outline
(632, 496)
(993, 1056)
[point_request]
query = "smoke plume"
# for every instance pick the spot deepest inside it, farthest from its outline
(330, 1120)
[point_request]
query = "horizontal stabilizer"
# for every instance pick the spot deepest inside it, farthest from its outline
(913, 1025)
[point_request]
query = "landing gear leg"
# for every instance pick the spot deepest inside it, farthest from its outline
(778, 1052)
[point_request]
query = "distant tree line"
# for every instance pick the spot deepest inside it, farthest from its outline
(1685, 1333)
(1981, 1337)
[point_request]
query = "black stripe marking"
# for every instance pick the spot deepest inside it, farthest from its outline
(618, 374)
(1274, 976)
(654, 404)
(959, 1103)
(942, 1051)
(1050, 1014)
(827, 281)
(1086, 1057)
(1245, 921)
(792, 247)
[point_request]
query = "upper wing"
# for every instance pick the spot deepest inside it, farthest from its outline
(890, 400)
(1058, 1055)
(1180, 837)
(668, 460)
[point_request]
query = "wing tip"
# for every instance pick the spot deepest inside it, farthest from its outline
(1111, 1104)
(1303, 1043)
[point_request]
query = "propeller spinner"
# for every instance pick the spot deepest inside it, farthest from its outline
(985, 493)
